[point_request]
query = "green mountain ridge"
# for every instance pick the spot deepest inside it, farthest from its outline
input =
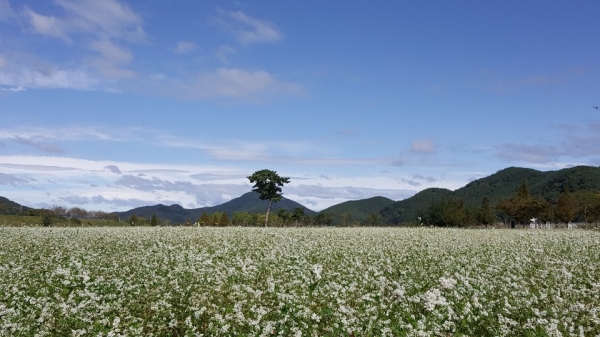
(353, 211)
(498, 186)
(248, 202)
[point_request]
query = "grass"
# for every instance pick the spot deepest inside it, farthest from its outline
(298, 282)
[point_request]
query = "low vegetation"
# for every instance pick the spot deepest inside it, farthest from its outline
(178, 281)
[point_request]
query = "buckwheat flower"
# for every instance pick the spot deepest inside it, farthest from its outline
(433, 298)
(317, 269)
(447, 282)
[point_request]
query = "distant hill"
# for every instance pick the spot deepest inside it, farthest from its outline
(499, 186)
(248, 202)
(11, 207)
(356, 210)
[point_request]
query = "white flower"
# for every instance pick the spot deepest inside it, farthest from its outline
(447, 282)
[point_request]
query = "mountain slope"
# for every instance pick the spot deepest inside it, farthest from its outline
(498, 186)
(248, 202)
(11, 207)
(356, 210)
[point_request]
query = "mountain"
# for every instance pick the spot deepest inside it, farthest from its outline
(11, 207)
(356, 210)
(248, 202)
(499, 186)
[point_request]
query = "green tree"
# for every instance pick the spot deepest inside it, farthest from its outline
(325, 219)
(298, 215)
(241, 218)
(346, 219)
(284, 216)
(372, 219)
(47, 220)
(453, 213)
(153, 220)
(565, 206)
(215, 219)
(133, 220)
(223, 220)
(204, 219)
(588, 204)
(268, 185)
(485, 214)
(522, 207)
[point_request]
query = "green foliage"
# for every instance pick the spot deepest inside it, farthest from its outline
(204, 220)
(268, 184)
(133, 220)
(587, 205)
(323, 219)
(485, 213)
(223, 219)
(498, 187)
(522, 207)
(565, 206)
(449, 212)
(153, 220)
(344, 214)
(47, 220)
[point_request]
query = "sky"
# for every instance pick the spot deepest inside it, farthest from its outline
(111, 105)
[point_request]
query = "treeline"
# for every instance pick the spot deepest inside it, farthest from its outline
(580, 206)
(281, 218)
(72, 216)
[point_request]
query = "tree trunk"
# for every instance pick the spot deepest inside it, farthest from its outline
(268, 210)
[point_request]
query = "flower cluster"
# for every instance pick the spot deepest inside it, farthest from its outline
(298, 282)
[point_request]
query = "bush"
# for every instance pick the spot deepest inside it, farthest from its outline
(47, 220)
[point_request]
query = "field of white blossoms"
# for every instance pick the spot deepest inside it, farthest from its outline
(298, 282)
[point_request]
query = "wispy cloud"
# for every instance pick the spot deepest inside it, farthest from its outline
(109, 18)
(113, 169)
(422, 146)
(184, 47)
(248, 30)
(346, 192)
(42, 146)
(224, 52)
(231, 83)
(10, 179)
(19, 77)
(6, 11)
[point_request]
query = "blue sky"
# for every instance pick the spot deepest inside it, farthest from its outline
(110, 105)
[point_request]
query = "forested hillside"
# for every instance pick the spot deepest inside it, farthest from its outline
(356, 211)
(248, 202)
(497, 187)
(11, 207)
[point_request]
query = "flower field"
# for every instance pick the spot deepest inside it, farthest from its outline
(298, 282)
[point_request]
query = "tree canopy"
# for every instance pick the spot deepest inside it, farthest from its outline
(268, 184)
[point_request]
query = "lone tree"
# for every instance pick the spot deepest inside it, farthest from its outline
(268, 186)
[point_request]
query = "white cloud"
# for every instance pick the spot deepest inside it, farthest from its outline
(224, 52)
(110, 51)
(76, 133)
(239, 84)
(249, 30)
(47, 25)
(20, 78)
(184, 47)
(422, 146)
(6, 12)
(42, 146)
(107, 18)
(10, 179)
